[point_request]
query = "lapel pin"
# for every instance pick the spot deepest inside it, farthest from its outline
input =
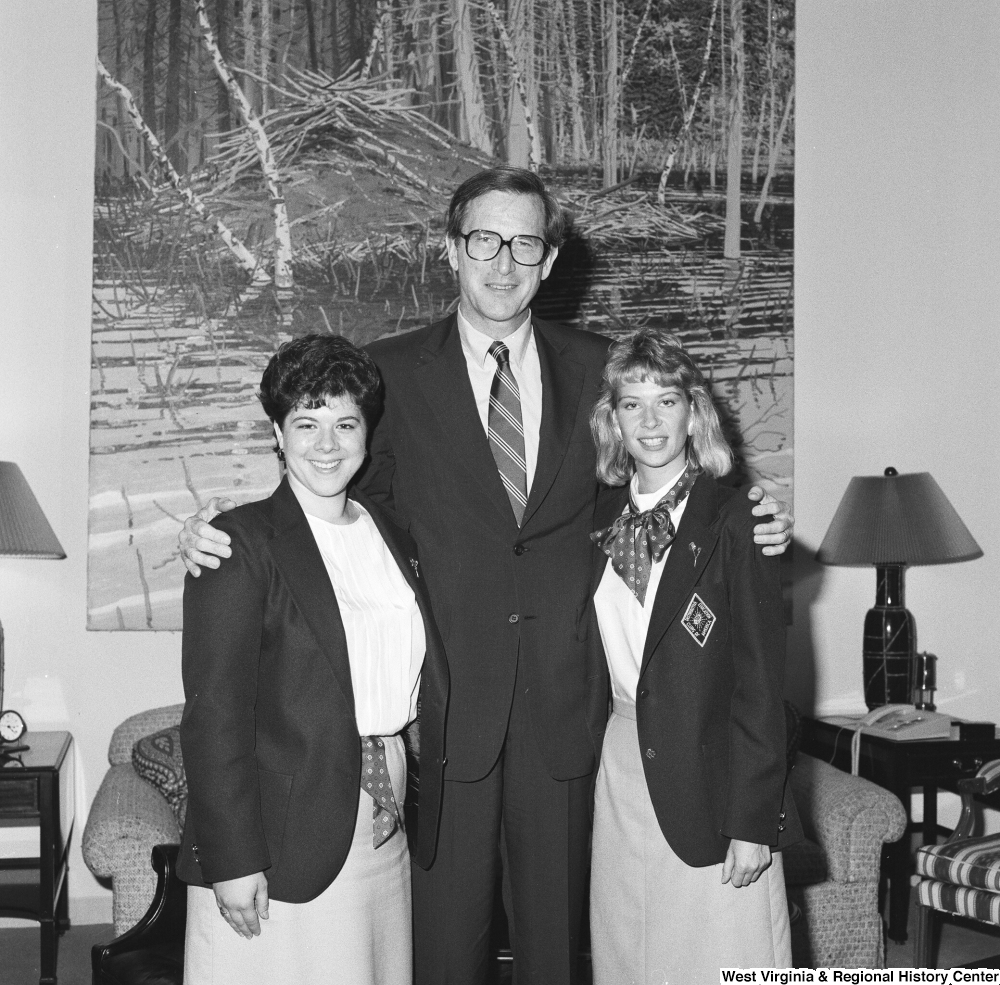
(416, 566)
(696, 551)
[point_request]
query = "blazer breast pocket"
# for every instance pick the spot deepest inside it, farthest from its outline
(275, 793)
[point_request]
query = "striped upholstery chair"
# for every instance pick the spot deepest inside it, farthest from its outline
(961, 876)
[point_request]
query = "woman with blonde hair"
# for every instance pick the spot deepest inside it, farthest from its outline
(692, 803)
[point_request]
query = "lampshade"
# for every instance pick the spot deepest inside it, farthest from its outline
(24, 531)
(896, 519)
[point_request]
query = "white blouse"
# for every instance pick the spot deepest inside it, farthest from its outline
(385, 632)
(623, 621)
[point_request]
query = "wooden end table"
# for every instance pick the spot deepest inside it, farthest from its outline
(37, 790)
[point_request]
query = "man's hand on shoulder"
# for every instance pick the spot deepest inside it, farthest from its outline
(776, 535)
(200, 543)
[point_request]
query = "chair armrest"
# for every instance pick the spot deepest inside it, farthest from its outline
(134, 728)
(986, 781)
(161, 928)
(128, 816)
(847, 816)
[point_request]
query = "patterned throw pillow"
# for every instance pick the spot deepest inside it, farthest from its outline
(157, 759)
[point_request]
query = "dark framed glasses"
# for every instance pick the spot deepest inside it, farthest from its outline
(484, 244)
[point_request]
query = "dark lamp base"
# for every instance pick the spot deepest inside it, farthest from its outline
(887, 663)
(890, 642)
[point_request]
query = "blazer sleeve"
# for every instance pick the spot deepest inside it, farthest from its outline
(757, 719)
(223, 622)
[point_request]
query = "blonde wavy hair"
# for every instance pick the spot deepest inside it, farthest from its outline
(658, 356)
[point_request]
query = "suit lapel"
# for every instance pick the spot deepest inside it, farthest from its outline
(443, 377)
(695, 542)
(610, 503)
(562, 384)
(297, 557)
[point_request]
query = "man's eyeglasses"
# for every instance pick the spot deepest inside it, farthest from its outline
(484, 244)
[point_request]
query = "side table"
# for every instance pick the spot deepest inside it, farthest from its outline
(899, 766)
(37, 791)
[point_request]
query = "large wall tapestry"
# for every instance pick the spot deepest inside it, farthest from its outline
(267, 169)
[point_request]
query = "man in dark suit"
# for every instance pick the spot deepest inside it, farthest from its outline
(486, 452)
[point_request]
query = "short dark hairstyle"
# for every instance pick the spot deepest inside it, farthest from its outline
(647, 354)
(506, 178)
(306, 371)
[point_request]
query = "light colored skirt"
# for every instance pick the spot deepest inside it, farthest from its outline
(356, 932)
(655, 920)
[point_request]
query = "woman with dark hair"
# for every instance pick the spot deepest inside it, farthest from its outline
(691, 801)
(304, 659)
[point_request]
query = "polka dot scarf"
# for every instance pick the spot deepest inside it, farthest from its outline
(636, 541)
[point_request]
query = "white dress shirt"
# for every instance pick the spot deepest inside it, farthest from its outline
(623, 621)
(384, 629)
(527, 372)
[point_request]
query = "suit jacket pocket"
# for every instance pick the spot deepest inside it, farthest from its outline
(275, 793)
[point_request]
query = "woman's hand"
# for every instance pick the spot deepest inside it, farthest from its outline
(745, 861)
(777, 534)
(241, 901)
(202, 544)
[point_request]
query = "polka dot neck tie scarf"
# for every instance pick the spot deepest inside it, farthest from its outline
(506, 433)
(636, 541)
(375, 783)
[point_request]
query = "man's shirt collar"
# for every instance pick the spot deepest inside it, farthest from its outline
(477, 344)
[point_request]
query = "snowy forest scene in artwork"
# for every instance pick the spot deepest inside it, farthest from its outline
(271, 168)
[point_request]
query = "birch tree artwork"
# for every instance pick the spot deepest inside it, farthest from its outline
(269, 169)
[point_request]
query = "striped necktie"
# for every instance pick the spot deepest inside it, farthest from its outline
(506, 433)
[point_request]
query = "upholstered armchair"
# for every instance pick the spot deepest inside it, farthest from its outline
(833, 875)
(128, 818)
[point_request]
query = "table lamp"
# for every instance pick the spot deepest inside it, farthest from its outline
(25, 533)
(892, 521)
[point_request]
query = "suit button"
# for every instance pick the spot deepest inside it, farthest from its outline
(650, 754)
(512, 618)
(519, 549)
(644, 693)
(781, 827)
(781, 816)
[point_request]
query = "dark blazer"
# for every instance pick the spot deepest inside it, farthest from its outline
(502, 596)
(710, 715)
(271, 745)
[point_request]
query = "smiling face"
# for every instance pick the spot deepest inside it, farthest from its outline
(495, 294)
(324, 447)
(654, 421)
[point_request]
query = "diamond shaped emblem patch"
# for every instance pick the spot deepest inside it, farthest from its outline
(698, 620)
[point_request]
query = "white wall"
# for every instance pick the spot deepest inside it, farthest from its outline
(58, 675)
(896, 359)
(896, 295)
